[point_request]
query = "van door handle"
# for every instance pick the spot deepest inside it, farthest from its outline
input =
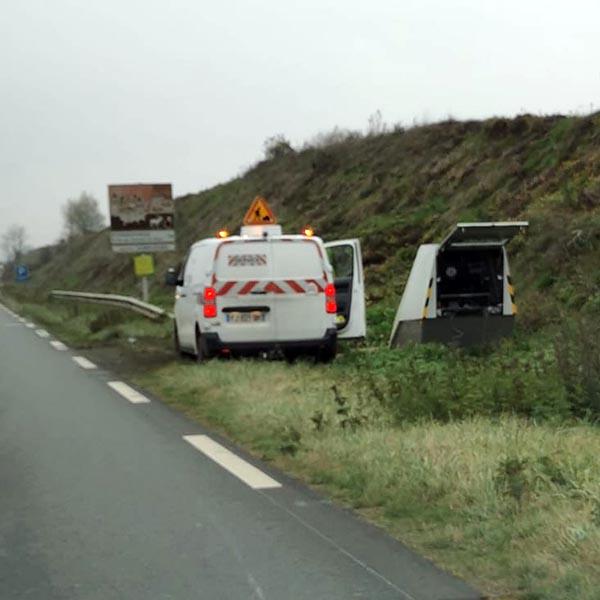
(259, 293)
(182, 295)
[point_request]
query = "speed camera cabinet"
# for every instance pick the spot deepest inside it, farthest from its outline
(460, 292)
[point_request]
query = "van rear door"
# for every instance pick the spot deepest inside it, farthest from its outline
(299, 280)
(271, 290)
(346, 259)
(242, 277)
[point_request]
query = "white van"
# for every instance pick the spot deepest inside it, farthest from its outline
(253, 293)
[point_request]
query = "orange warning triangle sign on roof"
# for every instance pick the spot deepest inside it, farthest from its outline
(259, 213)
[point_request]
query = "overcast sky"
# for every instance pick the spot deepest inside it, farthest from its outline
(186, 91)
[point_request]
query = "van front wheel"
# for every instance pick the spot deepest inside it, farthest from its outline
(176, 344)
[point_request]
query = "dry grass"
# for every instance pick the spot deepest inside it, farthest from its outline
(511, 506)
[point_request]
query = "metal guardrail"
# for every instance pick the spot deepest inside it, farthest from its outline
(128, 302)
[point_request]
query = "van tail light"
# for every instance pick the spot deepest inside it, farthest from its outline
(330, 303)
(210, 311)
(209, 297)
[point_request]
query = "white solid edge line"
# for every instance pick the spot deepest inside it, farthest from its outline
(128, 392)
(231, 462)
(42, 333)
(6, 309)
(83, 362)
(10, 312)
(58, 345)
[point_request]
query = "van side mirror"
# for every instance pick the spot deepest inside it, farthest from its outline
(172, 277)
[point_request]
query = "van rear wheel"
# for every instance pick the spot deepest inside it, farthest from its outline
(291, 355)
(202, 354)
(327, 353)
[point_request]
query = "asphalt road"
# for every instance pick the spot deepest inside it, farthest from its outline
(102, 498)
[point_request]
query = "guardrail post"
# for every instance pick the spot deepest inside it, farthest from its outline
(145, 293)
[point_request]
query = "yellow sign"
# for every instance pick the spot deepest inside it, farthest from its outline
(259, 213)
(143, 265)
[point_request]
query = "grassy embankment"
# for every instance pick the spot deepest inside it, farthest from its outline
(485, 461)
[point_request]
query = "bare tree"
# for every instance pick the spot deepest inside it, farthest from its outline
(81, 215)
(376, 125)
(13, 242)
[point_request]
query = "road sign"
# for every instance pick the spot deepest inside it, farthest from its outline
(21, 273)
(143, 265)
(260, 213)
(141, 218)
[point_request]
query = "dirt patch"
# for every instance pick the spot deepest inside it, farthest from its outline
(130, 360)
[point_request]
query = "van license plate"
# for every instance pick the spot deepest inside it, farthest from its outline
(256, 316)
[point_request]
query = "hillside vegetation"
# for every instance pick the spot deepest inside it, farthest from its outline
(400, 189)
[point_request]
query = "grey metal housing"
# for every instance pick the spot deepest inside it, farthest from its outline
(459, 292)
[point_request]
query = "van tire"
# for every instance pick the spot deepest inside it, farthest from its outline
(201, 351)
(291, 356)
(326, 354)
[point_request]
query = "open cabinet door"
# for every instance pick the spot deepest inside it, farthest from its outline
(346, 259)
(483, 234)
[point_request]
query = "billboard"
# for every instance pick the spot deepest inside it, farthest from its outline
(141, 217)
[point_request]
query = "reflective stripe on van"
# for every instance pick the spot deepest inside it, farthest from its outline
(282, 286)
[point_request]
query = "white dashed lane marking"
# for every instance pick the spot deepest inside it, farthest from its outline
(83, 362)
(58, 345)
(128, 392)
(42, 333)
(231, 462)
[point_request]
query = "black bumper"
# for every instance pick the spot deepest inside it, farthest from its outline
(214, 345)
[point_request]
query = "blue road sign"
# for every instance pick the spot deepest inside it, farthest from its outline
(21, 273)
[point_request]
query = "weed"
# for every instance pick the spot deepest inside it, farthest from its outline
(511, 479)
(290, 440)
(318, 418)
(552, 470)
(596, 512)
(106, 319)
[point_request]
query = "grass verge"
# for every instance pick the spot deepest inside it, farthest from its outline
(87, 325)
(510, 505)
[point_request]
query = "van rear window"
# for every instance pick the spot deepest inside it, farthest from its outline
(275, 259)
(296, 260)
(238, 261)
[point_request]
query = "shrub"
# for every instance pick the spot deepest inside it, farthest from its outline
(333, 137)
(277, 146)
(577, 351)
(434, 381)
